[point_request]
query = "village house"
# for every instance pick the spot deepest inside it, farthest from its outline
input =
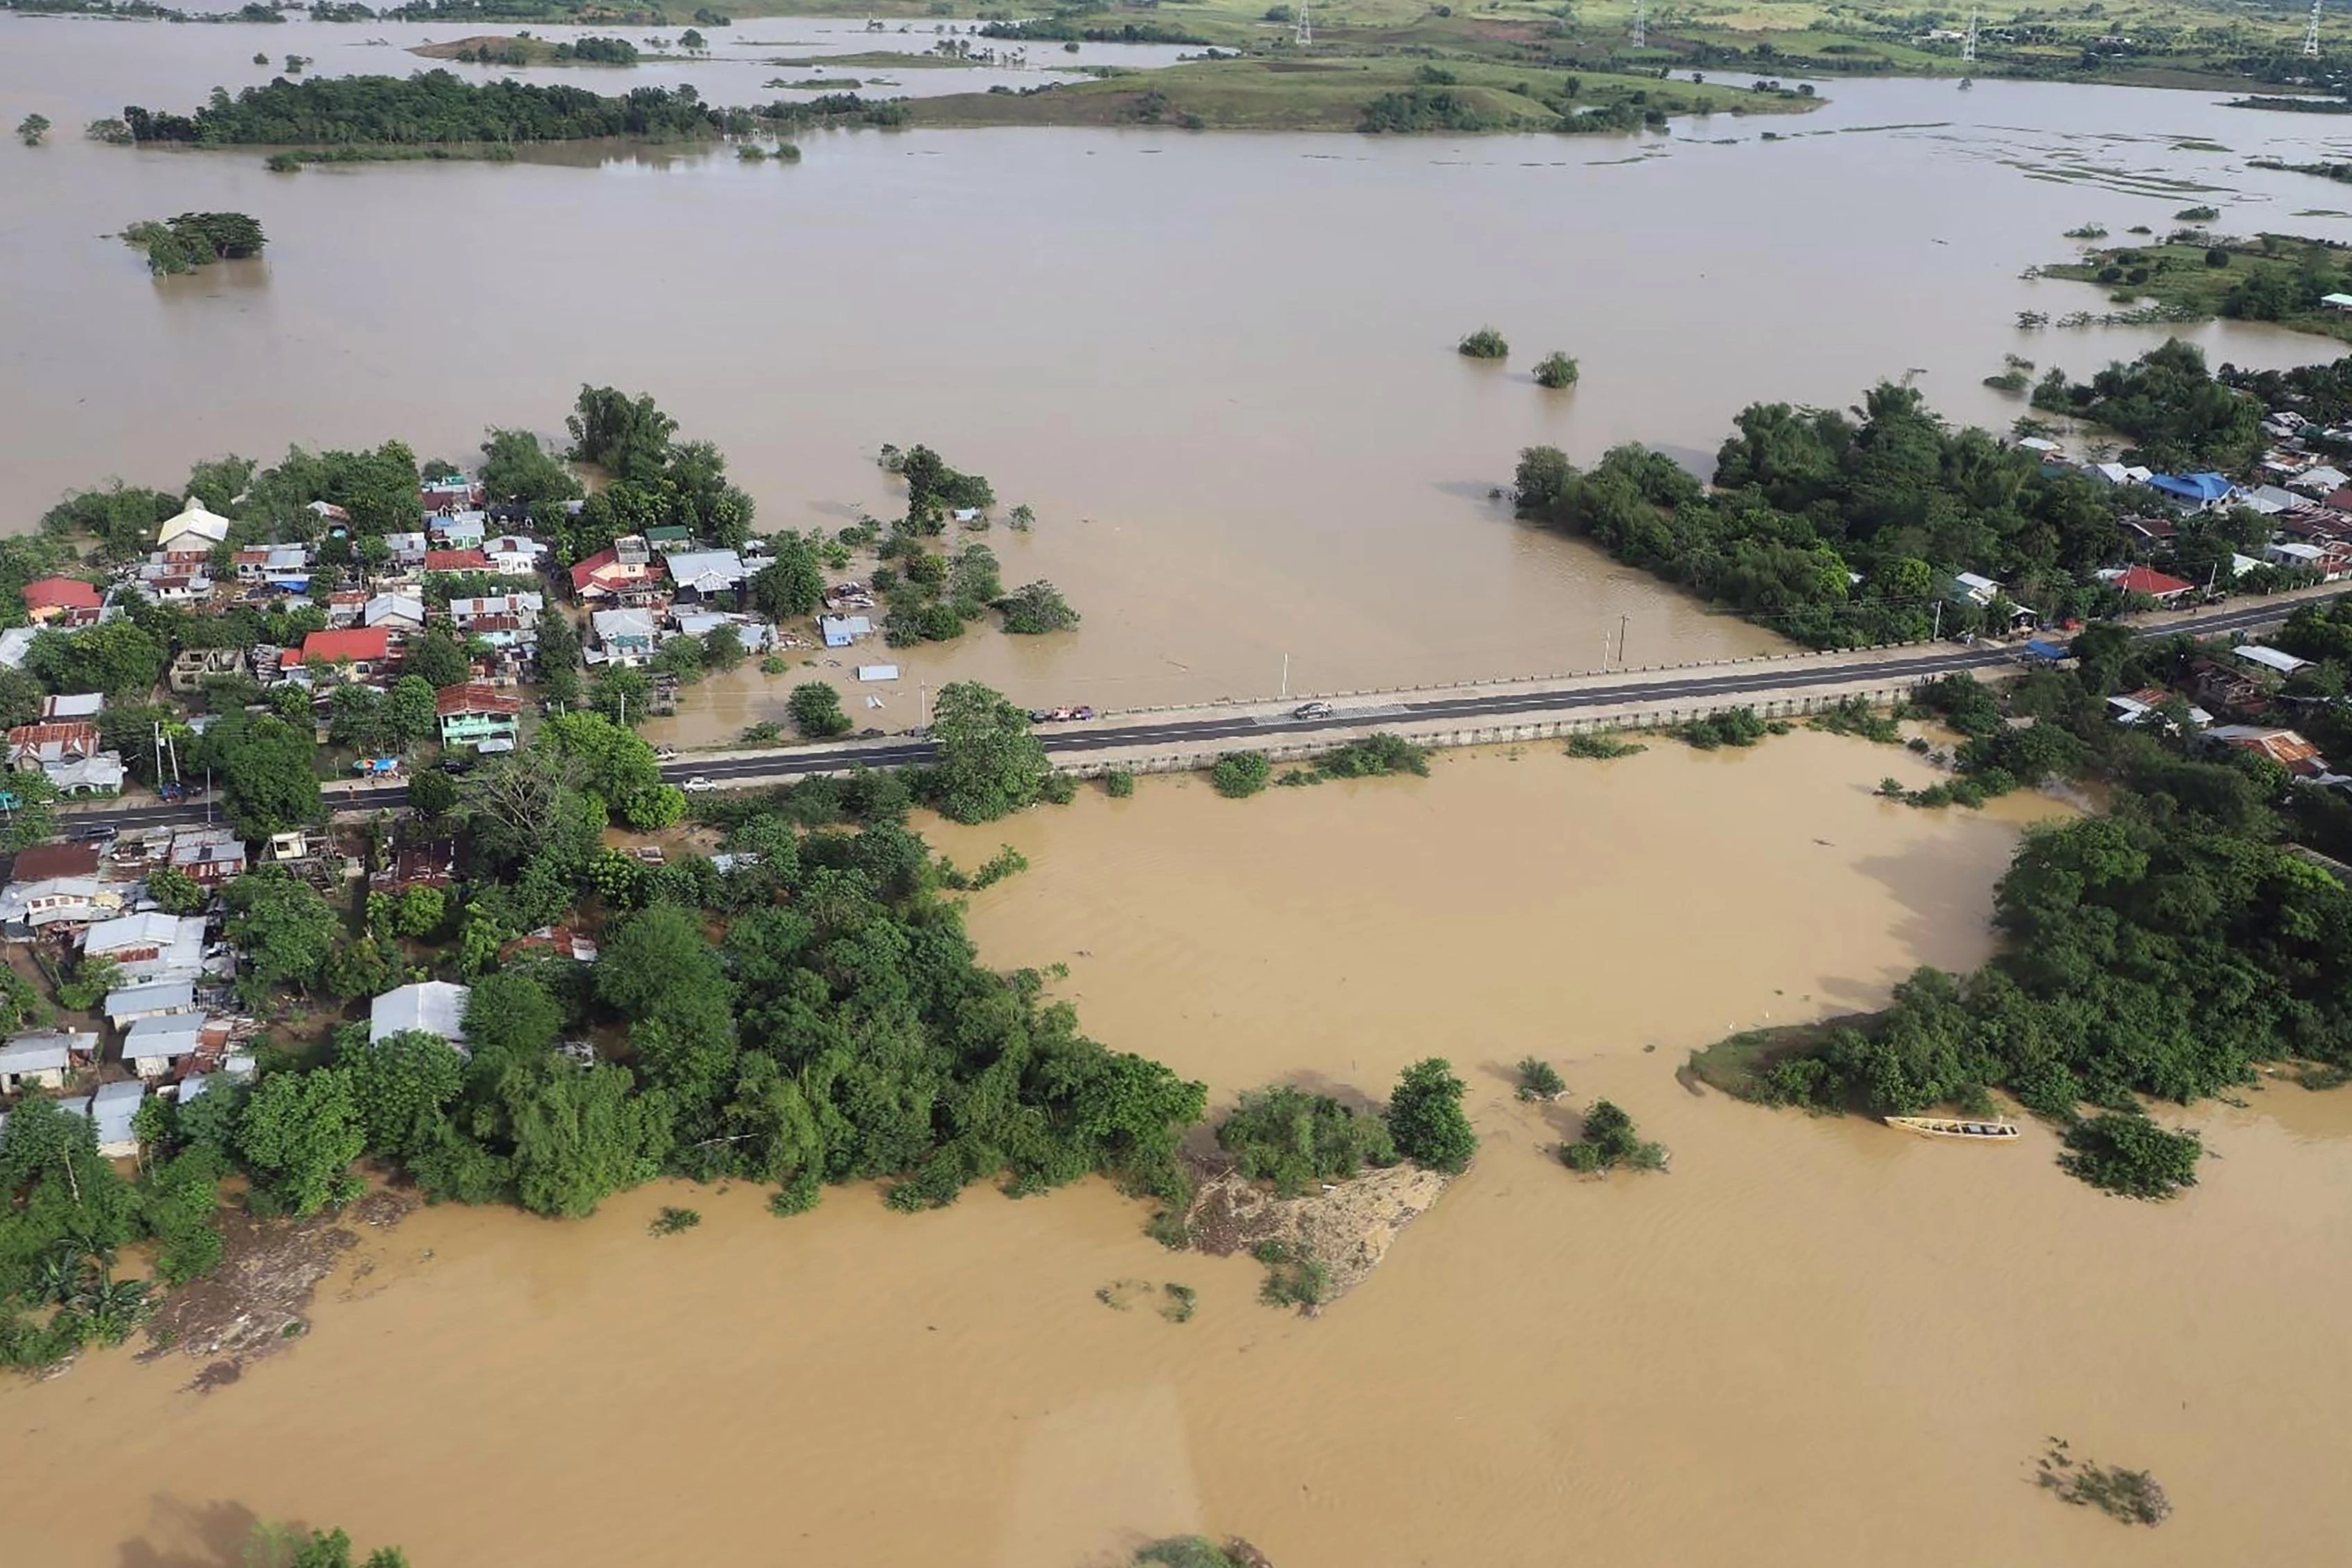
(502, 612)
(456, 560)
(151, 1046)
(101, 775)
(41, 1060)
(2320, 480)
(424, 863)
(624, 637)
(32, 745)
(563, 941)
(366, 650)
(195, 529)
(407, 551)
(841, 630)
(705, 572)
(40, 862)
(2277, 660)
(61, 601)
(2202, 492)
(149, 946)
(397, 612)
(2117, 474)
(165, 582)
(30, 907)
(2225, 690)
(191, 668)
(514, 555)
(16, 641)
(625, 574)
(207, 855)
(114, 1110)
(284, 568)
(754, 633)
(127, 1005)
(477, 715)
(2286, 747)
(66, 707)
(2148, 583)
(431, 1007)
(2146, 705)
(457, 530)
(2295, 555)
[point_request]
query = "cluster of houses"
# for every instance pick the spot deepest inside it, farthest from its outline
(649, 588)
(2241, 685)
(2307, 500)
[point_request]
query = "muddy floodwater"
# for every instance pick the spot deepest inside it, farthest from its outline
(1220, 367)
(1816, 1341)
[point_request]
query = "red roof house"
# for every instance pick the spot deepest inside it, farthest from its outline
(2154, 584)
(51, 597)
(353, 645)
(30, 745)
(456, 560)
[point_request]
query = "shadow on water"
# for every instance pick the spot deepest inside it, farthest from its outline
(181, 1533)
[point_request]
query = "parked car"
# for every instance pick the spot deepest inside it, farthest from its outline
(1312, 710)
(1059, 715)
(698, 784)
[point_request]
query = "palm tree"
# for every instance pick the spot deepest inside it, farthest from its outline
(116, 1306)
(63, 1274)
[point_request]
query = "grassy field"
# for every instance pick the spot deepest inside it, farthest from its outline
(2154, 42)
(1266, 94)
(2271, 278)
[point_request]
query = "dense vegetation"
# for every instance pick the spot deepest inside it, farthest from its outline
(1485, 343)
(1806, 500)
(2179, 417)
(2193, 275)
(196, 239)
(1611, 1139)
(1294, 1139)
(2131, 1155)
(1426, 1120)
(428, 107)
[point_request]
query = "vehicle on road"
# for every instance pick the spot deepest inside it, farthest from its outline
(698, 784)
(92, 833)
(1059, 715)
(1312, 710)
(664, 753)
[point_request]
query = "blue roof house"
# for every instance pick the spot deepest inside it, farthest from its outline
(2202, 491)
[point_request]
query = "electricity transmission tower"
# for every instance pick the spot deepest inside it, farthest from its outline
(1968, 45)
(1640, 23)
(2311, 34)
(1305, 36)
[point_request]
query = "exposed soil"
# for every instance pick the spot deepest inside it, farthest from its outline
(1348, 1228)
(257, 1301)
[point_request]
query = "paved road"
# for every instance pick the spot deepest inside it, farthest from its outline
(1701, 684)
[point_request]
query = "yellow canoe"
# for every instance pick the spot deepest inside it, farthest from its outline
(1954, 1126)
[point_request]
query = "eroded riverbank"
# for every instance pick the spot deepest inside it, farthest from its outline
(1810, 1337)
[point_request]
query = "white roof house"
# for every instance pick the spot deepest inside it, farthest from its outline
(14, 643)
(153, 1044)
(195, 528)
(2277, 659)
(514, 555)
(2270, 500)
(2117, 473)
(624, 637)
(841, 630)
(705, 571)
(2294, 553)
(150, 946)
(2322, 480)
(393, 610)
(435, 1006)
(34, 905)
(43, 1059)
(132, 1003)
(112, 1108)
(752, 633)
(100, 775)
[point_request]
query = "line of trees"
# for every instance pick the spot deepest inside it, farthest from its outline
(428, 107)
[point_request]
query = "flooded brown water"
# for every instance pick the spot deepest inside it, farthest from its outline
(1220, 367)
(1814, 1342)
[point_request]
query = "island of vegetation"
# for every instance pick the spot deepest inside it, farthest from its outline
(495, 49)
(196, 239)
(2193, 275)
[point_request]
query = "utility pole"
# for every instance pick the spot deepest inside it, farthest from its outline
(922, 706)
(1285, 676)
(1937, 636)
(2311, 34)
(1622, 620)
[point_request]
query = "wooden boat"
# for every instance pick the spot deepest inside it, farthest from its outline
(1954, 1126)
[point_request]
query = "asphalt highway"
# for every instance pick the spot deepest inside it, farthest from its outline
(1704, 683)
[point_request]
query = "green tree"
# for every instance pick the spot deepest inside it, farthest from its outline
(31, 128)
(558, 647)
(1241, 774)
(517, 469)
(287, 1546)
(435, 659)
(409, 710)
(1485, 343)
(791, 585)
(268, 783)
(34, 819)
(722, 648)
(989, 764)
(2128, 1154)
(579, 1136)
(626, 437)
(1036, 608)
(20, 697)
(93, 977)
(118, 657)
(622, 696)
(511, 1017)
(175, 892)
(1426, 1119)
(283, 927)
(400, 1086)
(1557, 370)
(300, 1132)
(432, 794)
(816, 709)
(1294, 1139)
(1609, 1140)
